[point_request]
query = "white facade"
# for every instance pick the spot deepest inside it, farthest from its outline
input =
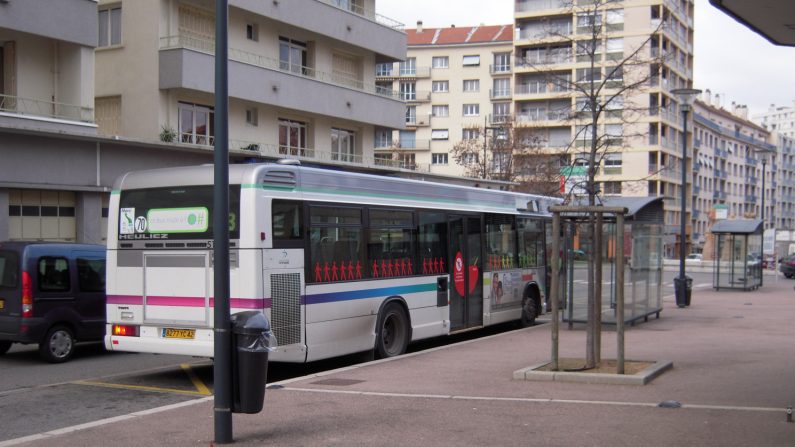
(301, 76)
(780, 119)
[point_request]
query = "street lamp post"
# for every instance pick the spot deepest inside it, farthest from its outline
(764, 153)
(686, 98)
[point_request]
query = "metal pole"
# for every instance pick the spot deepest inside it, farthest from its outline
(762, 254)
(222, 345)
(620, 291)
(683, 218)
(554, 289)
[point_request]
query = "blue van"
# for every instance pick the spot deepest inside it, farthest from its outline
(52, 294)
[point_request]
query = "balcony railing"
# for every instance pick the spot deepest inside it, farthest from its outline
(415, 96)
(35, 107)
(539, 5)
(403, 72)
(245, 57)
(500, 93)
(364, 12)
(542, 116)
(500, 68)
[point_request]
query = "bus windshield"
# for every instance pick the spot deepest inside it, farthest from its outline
(184, 212)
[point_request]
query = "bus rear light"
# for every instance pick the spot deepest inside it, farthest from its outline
(27, 296)
(125, 330)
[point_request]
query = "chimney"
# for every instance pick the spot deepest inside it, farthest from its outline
(419, 26)
(743, 111)
(452, 26)
(708, 97)
(716, 103)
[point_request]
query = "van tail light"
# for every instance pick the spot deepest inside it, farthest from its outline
(125, 330)
(27, 296)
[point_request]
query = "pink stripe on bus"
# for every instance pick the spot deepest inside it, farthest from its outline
(188, 301)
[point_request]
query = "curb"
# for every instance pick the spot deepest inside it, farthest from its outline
(642, 378)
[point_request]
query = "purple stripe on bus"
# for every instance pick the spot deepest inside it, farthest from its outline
(185, 301)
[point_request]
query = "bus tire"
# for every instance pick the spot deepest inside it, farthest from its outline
(529, 311)
(58, 346)
(392, 337)
(4, 346)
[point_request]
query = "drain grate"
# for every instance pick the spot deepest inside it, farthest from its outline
(337, 382)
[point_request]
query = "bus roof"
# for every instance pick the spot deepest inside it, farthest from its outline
(341, 186)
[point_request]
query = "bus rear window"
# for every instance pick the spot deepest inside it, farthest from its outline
(174, 213)
(9, 268)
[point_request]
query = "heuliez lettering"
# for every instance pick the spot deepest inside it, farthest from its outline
(142, 236)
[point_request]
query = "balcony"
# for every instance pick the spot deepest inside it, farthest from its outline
(499, 119)
(500, 69)
(421, 121)
(540, 116)
(719, 195)
(309, 154)
(415, 97)
(48, 115)
(402, 73)
(538, 5)
(750, 199)
(500, 93)
(407, 145)
(347, 22)
(184, 60)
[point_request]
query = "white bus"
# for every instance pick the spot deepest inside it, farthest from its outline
(339, 262)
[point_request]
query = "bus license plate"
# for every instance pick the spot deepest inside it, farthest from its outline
(2, 304)
(188, 334)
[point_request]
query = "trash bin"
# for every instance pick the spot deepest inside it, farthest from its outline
(251, 338)
(683, 289)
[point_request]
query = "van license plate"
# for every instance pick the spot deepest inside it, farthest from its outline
(188, 334)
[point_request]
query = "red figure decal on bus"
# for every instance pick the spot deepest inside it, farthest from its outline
(334, 276)
(375, 269)
(326, 276)
(383, 269)
(343, 272)
(318, 276)
(358, 270)
(411, 268)
(350, 270)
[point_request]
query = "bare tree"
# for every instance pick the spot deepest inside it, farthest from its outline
(607, 87)
(501, 152)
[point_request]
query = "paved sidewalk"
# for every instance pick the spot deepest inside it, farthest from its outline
(734, 369)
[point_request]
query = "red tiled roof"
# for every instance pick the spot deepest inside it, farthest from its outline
(460, 35)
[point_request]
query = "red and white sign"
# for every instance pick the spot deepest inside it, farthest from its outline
(458, 273)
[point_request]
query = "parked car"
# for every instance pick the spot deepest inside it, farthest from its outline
(787, 266)
(694, 257)
(52, 294)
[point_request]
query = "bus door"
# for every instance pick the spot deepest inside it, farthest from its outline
(465, 267)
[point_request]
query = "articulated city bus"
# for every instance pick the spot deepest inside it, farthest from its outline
(339, 262)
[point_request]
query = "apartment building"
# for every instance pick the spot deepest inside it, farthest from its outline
(644, 124)
(456, 82)
(67, 134)
(730, 155)
(778, 118)
(301, 75)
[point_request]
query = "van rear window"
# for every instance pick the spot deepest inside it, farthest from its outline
(9, 269)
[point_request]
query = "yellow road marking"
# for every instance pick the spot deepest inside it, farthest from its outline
(139, 387)
(200, 386)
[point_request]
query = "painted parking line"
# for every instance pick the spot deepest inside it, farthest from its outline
(201, 388)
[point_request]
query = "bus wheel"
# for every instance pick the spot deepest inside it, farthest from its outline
(529, 312)
(393, 332)
(4, 347)
(58, 346)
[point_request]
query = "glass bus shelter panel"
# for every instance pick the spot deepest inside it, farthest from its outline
(643, 272)
(737, 264)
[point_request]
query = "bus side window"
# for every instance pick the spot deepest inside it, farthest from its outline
(287, 224)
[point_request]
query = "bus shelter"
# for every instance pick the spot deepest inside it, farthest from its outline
(643, 266)
(738, 263)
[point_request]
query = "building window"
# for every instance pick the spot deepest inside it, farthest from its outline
(613, 164)
(471, 61)
(252, 116)
(383, 138)
(292, 56)
(470, 158)
(384, 69)
(343, 145)
(502, 62)
(440, 62)
(109, 27)
(408, 161)
(408, 67)
(441, 110)
(470, 134)
(471, 109)
(440, 134)
(471, 85)
(501, 88)
(252, 32)
(501, 112)
(612, 188)
(439, 159)
(196, 124)
(292, 137)
(411, 115)
(441, 86)
(408, 91)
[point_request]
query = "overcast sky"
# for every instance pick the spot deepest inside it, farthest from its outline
(730, 60)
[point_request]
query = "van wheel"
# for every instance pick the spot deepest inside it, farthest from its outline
(529, 312)
(4, 347)
(58, 346)
(393, 332)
